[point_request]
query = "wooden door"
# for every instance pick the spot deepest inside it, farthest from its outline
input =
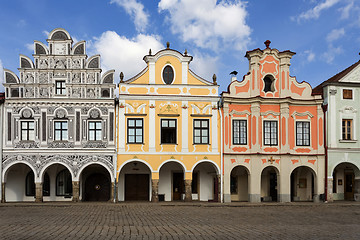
(136, 187)
(97, 187)
(349, 186)
(178, 186)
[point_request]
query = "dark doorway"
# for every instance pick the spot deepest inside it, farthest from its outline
(216, 189)
(178, 185)
(136, 187)
(273, 186)
(97, 187)
(349, 185)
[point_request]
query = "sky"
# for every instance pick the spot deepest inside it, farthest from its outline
(325, 34)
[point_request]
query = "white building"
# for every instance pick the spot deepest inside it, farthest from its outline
(58, 132)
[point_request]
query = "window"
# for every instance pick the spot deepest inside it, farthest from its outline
(94, 131)
(239, 132)
(63, 183)
(302, 133)
(270, 133)
(27, 131)
(347, 129)
(30, 184)
(60, 88)
(201, 131)
(168, 131)
(61, 130)
(268, 84)
(168, 75)
(347, 94)
(135, 130)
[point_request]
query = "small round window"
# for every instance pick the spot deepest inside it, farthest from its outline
(168, 75)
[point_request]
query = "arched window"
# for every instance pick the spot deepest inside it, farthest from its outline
(64, 183)
(168, 75)
(268, 84)
(46, 185)
(30, 184)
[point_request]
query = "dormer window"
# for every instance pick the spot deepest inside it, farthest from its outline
(168, 74)
(268, 84)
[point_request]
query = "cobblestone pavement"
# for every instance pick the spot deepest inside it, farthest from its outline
(179, 221)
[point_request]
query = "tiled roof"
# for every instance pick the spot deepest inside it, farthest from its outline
(334, 79)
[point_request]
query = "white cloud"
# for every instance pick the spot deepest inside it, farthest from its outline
(29, 46)
(46, 33)
(136, 11)
(331, 53)
(208, 23)
(345, 11)
(335, 34)
(123, 54)
(310, 55)
(314, 13)
(204, 65)
(1, 77)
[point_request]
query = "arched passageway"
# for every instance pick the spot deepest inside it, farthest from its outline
(134, 182)
(270, 184)
(302, 184)
(95, 184)
(346, 182)
(205, 182)
(57, 183)
(239, 182)
(171, 182)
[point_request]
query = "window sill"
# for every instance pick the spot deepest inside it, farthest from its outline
(201, 144)
(168, 144)
(135, 143)
(347, 141)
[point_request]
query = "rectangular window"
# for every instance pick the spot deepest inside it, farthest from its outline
(27, 130)
(302, 133)
(60, 88)
(347, 94)
(201, 131)
(135, 130)
(94, 131)
(60, 130)
(347, 129)
(168, 131)
(239, 132)
(271, 133)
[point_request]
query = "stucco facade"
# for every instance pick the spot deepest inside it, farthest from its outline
(169, 135)
(273, 133)
(342, 101)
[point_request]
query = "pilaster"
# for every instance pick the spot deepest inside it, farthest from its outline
(76, 191)
(155, 190)
(188, 191)
(38, 192)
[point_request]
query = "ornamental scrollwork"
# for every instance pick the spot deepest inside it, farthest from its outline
(104, 110)
(94, 144)
(27, 145)
(60, 145)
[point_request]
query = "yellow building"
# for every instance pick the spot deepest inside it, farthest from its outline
(169, 133)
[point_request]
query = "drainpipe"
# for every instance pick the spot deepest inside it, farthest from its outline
(222, 157)
(324, 108)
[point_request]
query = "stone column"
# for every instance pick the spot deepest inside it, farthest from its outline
(330, 197)
(116, 191)
(3, 192)
(357, 190)
(112, 192)
(154, 190)
(188, 191)
(38, 192)
(76, 191)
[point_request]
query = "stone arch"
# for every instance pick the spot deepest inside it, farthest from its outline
(346, 182)
(172, 160)
(207, 161)
(43, 170)
(135, 160)
(352, 163)
(95, 163)
(241, 165)
(239, 183)
(5, 170)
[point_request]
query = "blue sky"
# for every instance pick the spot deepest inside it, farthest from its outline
(325, 34)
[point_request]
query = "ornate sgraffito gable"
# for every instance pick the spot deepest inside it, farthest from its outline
(60, 109)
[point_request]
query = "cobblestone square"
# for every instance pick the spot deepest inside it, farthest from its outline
(179, 221)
